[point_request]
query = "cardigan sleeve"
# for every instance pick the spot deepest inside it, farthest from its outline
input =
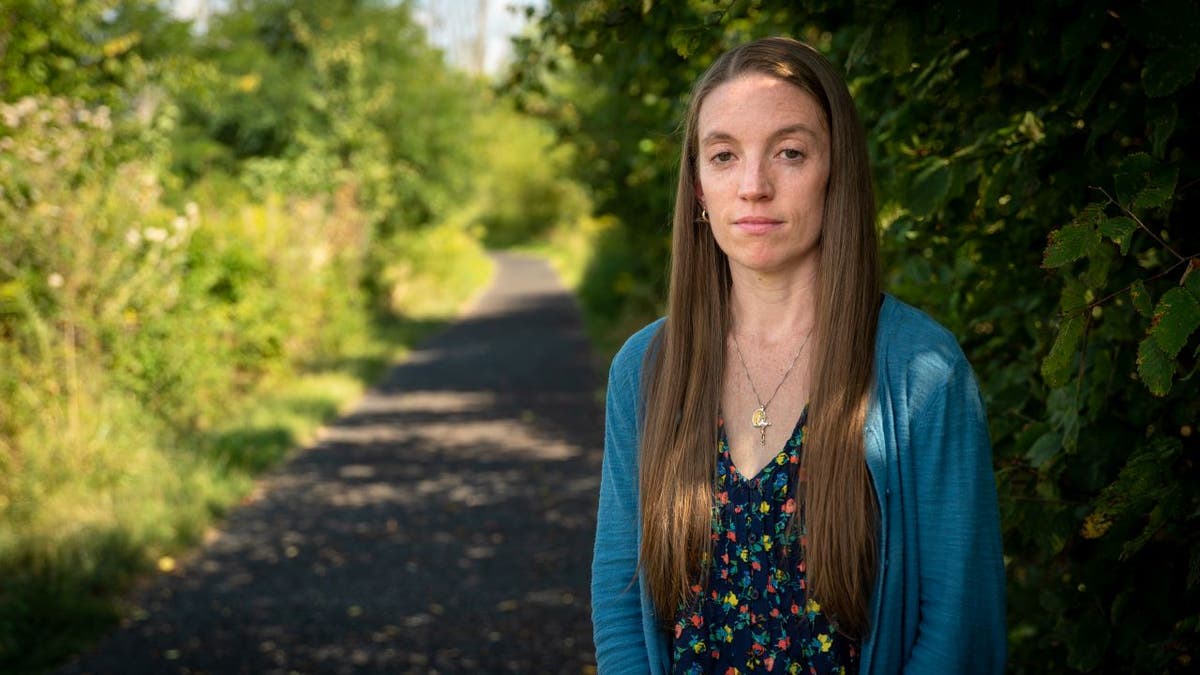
(961, 570)
(616, 598)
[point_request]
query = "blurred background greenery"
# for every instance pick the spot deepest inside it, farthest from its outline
(211, 239)
(210, 242)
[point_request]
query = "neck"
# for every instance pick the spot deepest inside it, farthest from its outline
(772, 310)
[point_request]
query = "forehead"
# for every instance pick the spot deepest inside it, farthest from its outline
(756, 103)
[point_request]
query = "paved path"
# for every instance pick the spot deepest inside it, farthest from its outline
(444, 526)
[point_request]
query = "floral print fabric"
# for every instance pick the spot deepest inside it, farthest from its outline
(753, 615)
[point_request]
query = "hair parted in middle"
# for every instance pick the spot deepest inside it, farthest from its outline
(686, 361)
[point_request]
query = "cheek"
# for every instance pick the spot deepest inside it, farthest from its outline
(814, 191)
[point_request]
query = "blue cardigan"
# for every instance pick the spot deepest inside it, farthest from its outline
(938, 602)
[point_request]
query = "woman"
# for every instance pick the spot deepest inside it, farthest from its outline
(797, 472)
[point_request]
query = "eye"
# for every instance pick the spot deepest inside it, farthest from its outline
(791, 153)
(722, 157)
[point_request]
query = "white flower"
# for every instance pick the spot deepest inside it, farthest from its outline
(55, 280)
(179, 223)
(26, 106)
(133, 237)
(192, 211)
(155, 234)
(101, 119)
(13, 114)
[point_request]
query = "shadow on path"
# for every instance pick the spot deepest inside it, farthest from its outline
(444, 526)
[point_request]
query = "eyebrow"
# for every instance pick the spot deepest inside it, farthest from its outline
(717, 135)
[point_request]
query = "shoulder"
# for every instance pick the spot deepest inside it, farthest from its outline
(626, 369)
(916, 352)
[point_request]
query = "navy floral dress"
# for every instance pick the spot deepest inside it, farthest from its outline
(753, 615)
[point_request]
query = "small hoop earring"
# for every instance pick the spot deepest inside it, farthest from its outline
(703, 216)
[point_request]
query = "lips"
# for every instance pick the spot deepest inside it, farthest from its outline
(757, 224)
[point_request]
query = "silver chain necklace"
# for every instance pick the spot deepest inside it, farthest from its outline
(759, 419)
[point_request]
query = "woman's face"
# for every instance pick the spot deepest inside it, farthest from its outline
(763, 165)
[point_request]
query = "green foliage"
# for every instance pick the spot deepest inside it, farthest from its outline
(1036, 192)
(526, 192)
(208, 242)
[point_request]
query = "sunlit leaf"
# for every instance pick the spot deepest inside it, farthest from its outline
(1095, 525)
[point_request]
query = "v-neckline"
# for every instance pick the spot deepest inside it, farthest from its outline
(723, 440)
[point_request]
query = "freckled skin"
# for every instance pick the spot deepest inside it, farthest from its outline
(764, 159)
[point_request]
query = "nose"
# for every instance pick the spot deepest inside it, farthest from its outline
(755, 184)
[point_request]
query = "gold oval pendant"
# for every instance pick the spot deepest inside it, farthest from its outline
(759, 419)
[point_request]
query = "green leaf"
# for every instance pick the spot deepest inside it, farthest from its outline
(1074, 295)
(1099, 263)
(1056, 367)
(929, 188)
(1120, 229)
(1175, 318)
(683, 41)
(1044, 449)
(1068, 244)
(1142, 182)
(1141, 299)
(1154, 367)
(1168, 70)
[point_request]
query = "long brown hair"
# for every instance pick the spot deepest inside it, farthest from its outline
(687, 360)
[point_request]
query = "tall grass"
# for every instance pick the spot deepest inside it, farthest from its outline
(159, 346)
